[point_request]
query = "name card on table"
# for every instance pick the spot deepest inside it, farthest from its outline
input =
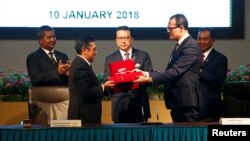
(65, 123)
(235, 121)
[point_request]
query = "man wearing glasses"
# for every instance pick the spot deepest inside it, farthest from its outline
(129, 106)
(181, 76)
(85, 91)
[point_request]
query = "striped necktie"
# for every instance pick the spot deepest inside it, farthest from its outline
(51, 57)
(126, 54)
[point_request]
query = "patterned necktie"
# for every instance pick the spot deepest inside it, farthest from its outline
(51, 57)
(126, 54)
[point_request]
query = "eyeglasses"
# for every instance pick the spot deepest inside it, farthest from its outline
(126, 38)
(171, 28)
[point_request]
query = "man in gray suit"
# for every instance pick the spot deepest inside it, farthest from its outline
(181, 77)
(136, 101)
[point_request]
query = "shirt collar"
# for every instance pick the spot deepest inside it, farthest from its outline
(84, 59)
(183, 38)
(123, 52)
(207, 53)
(47, 51)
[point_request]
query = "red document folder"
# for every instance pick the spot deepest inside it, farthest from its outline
(121, 67)
(122, 75)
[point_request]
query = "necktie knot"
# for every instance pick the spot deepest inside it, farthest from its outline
(51, 53)
(126, 54)
(176, 46)
(52, 57)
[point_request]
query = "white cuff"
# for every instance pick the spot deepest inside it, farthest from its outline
(146, 74)
(103, 87)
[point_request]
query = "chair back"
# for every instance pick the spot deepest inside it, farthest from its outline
(48, 103)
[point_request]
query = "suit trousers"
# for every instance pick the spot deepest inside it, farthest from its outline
(124, 109)
(185, 114)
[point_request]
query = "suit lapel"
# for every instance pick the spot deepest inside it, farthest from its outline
(176, 53)
(91, 70)
(134, 55)
(57, 57)
(117, 56)
(174, 56)
(93, 73)
(46, 57)
(209, 57)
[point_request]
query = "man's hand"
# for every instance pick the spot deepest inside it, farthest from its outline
(143, 79)
(64, 68)
(108, 84)
(68, 65)
(144, 73)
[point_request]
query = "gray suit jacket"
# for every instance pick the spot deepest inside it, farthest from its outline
(140, 95)
(181, 77)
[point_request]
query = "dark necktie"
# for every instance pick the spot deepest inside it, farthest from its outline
(173, 52)
(51, 57)
(203, 59)
(126, 54)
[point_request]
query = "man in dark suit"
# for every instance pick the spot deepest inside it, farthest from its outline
(47, 66)
(213, 75)
(137, 100)
(181, 77)
(84, 88)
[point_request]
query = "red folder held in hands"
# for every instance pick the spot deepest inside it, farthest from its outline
(122, 75)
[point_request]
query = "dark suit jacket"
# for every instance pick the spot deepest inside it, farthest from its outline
(181, 77)
(140, 95)
(43, 72)
(213, 75)
(85, 93)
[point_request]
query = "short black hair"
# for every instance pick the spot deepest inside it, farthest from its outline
(83, 42)
(125, 28)
(209, 29)
(41, 30)
(181, 20)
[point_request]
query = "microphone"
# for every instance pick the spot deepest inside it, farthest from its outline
(143, 116)
(152, 123)
(157, 115)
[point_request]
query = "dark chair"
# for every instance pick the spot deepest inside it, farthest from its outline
(48, 103)
(236, 99)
